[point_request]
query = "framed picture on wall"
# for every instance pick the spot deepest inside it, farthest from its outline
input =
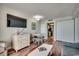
(33, 26)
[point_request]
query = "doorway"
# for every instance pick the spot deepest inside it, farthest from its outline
(50, 28)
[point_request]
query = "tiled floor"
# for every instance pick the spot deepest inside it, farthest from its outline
(68, 51)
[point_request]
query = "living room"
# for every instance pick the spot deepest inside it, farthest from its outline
(37, 30)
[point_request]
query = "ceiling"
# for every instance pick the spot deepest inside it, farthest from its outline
(48, 10)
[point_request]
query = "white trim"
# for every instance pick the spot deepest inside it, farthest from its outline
(63, 18)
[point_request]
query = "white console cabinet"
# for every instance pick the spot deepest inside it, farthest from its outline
(20, 41)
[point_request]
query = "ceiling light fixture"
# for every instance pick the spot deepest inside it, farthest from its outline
(38, 17)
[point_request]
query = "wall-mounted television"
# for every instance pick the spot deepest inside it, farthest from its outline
(14, 21)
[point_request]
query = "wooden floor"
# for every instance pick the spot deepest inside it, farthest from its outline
(25, 51)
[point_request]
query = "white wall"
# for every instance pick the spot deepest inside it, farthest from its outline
(55, 30)
(64, 30)
(0, 21)
(6, 32)
(70, 35)
(43, 29)
(37, 26)
(77, 30)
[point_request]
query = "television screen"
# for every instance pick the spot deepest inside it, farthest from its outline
(14, 21)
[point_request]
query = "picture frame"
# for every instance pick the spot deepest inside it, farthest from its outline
(33, 26)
